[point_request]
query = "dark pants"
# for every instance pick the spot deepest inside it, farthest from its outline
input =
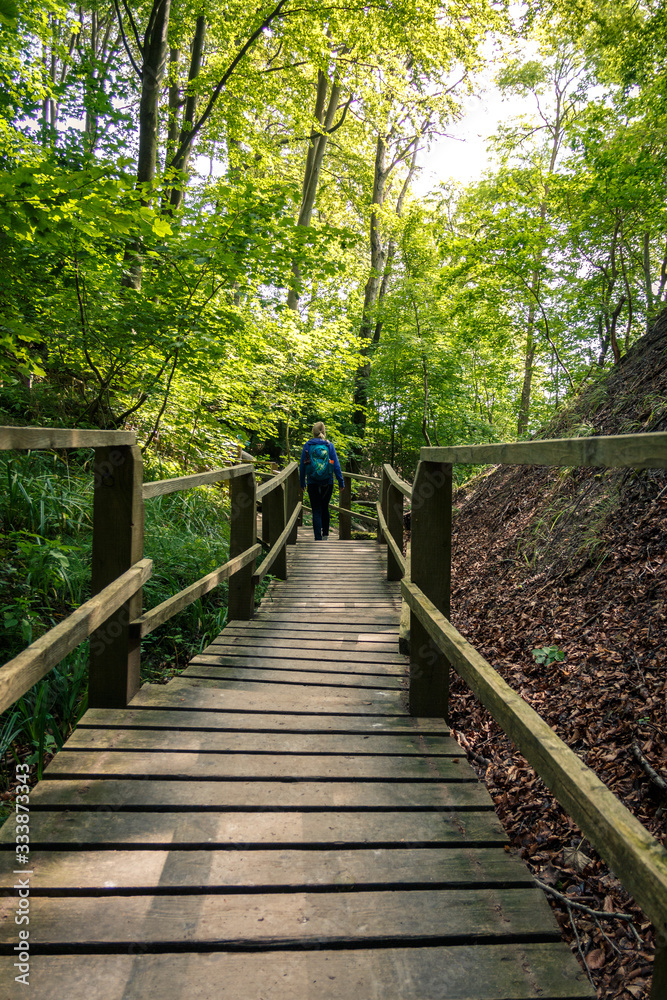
(319, 501)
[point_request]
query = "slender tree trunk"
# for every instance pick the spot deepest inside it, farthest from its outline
(189, 114)
(529, 357)
(153, 69)
(372, 288)
(316, 149)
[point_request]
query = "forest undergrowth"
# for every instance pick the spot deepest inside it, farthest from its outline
(560, 580)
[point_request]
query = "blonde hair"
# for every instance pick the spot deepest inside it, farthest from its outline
(319, 430)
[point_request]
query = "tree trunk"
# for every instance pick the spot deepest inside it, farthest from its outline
(316, 148)
(529, 357)
(181, 163)
(371, 290)
(153, 68)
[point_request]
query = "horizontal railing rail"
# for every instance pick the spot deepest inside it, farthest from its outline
(396, 481)
(615, 451)
(162, 487)
(19, 674)
(276, 481)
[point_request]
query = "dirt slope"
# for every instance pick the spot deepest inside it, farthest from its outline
(575, 559)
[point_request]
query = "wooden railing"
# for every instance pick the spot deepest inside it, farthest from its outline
(112, 619)
(638, 860)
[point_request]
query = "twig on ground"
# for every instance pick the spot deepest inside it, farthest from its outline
(571, 904)
(646, 767)
(583, 957)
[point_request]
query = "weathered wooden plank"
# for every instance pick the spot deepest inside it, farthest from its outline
(118, 793)
(311, 634)
(177, 718)
(18, 675)
(302, 666)
(344, 632)
(337, 653)
(475, 972)
(37, 438)
(72, 764)
(229, 870)
(294, 920)
(391, 542)
(264, 672)
(239, 696)
(163, 486)
(636, 857)
(634, 451)
(256, 829)
(297, 618)
(215, 741)
(149, 621)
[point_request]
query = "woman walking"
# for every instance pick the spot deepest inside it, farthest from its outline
(319, 463)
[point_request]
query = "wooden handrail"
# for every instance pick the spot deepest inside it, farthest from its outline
(163, 612)
(276, 481)
(277, 547)
(163, 486)
(391, 544)
(634, 855)
(41, 438)
(354, 513)
(357, 475)
(396, 481)
(617, 451)
(19, 674)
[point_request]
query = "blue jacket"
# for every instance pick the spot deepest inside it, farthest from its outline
(332, 455)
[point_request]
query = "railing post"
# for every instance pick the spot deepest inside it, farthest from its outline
(118, 543)
(430, 566)
(291, 500)
(273, 524)
(243, 534)
(384, 489)
(659, 984)
(345, 501)
(394, 517)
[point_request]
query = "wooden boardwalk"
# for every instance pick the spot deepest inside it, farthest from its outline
(273, 825)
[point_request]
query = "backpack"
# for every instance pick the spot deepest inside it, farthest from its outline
(319, 463)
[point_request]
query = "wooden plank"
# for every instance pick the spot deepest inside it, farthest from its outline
(297, 920)
(637, 859)
(297, 619)
(357, 514)
(338, 653)
(359, 632)
(247, 697)
(380, 639)
(175, 718)
(161, 487)
(128, 794)
(279, 671)
(275, 481)
(634, 451)
(271, 829)
(18, 675)
(37, 438)
(163, 612)
(201, 766)
(221, 741)
(256, 868)
(473, 972)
